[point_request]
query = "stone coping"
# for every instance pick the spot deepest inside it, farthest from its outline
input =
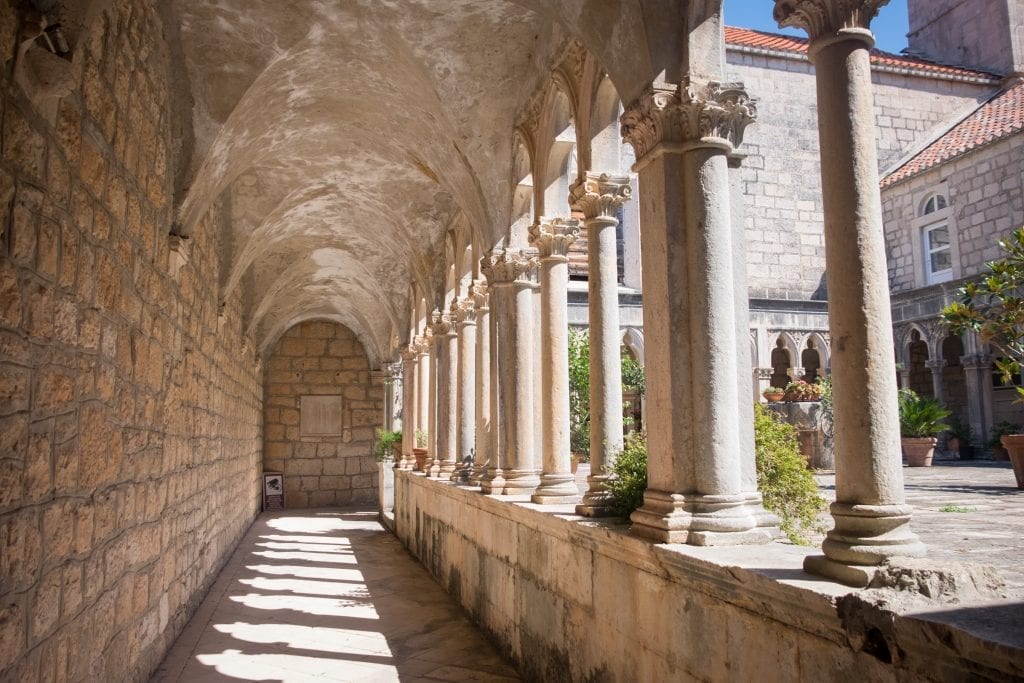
(968, 621)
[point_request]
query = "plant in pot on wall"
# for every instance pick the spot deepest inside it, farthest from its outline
(773, 394)
(993, 308)
(420, 450)
(388, 444)
(803, 391)
(921, 421)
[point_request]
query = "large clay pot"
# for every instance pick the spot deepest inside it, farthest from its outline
(773, 397)
(919, 452)
(1014, 445)
(421, 458)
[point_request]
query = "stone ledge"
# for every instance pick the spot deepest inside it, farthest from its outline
(918, 634)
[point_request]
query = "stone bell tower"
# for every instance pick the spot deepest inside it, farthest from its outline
(981, 34)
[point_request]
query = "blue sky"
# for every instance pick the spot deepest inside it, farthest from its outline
(890, 26)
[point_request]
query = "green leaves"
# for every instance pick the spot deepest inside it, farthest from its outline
(630, 480)
(921, 417)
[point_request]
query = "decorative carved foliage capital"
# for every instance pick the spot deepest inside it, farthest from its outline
(826, 17)
(711, 112)
(509, 265)
(464, 311)
(553, 236)
(410, 352)
(424, 341)
(479, 294)
(599, 195)
(442, 324)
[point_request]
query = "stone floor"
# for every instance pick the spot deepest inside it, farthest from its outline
(328, 596)
(966, 511)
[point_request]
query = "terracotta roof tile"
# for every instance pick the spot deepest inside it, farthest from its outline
(744, 37)
(997, 118)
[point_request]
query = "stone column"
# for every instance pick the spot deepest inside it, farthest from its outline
(978, 379)
(552, 238)
(425, 389)
(696, 491)
(445, 369)
(904, 373)
(511, 274)
(598, 197)
(409, 409)
(872, 519)
(936, 367)
(465, 315)
(484, 450)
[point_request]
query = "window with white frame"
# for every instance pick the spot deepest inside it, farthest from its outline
(935, 240)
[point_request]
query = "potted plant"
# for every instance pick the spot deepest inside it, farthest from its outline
(420, 450)
(921, 420)
(993, 308)
(773, 394)
(388, 444)
(802, 391)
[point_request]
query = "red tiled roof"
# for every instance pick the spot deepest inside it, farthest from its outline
(1001, 116)
(748, 38)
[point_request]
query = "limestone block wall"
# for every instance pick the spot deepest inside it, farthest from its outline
(782, 181)
(986, 192)
(569, 600)
(318, 358)
(129, 409)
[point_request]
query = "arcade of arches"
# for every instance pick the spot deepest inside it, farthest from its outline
(215, 210)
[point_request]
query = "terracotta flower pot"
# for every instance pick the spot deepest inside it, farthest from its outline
(421, 458)
(773, 397)
(1014, 445)
(919, 452)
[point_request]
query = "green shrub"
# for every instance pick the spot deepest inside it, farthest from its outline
(579, 393)
(788, 487)
(630, 480)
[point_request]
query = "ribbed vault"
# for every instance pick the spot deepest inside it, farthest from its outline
(346, 138)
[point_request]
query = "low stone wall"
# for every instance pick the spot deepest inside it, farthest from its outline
(574, 599)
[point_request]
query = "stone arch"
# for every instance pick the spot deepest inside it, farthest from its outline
(524, 194)
(633, 339)
(560, 140)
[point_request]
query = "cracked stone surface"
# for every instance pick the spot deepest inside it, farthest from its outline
(328, 596)
(966, 511)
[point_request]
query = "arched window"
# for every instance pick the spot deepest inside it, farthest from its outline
(936, 239)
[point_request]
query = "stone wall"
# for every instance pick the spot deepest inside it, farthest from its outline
(782, 181)
(129, 409)
(318, 358)
(585, 601)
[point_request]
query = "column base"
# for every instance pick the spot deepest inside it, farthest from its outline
(597, 501)
(519, 482)
(698, 519)
(478, 474)
(463, 471)
(868, 535)
(446, 470)
(556, 489)
(493, 482)
(855, 576)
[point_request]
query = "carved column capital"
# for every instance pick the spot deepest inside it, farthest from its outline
(692, 114)
(425, 340)
(503, 266)
(442, 324)
(935, 364)
(828, 17)
(599, 195)
(479, 293)
(553, 236)
(464, 311)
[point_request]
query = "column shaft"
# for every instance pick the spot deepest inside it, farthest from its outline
(598, 197)
(467, 343)
(408, 407)
(557, 484)
(483, 383)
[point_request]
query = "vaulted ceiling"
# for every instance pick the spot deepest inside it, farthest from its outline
(342, 139)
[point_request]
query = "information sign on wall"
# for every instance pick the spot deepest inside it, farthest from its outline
(273, 491)
(320, 415)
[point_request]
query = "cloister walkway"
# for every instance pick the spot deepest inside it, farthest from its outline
(328, 595)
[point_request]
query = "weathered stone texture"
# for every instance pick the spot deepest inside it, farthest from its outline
(782, 176)
(322, 358)
(129, 411)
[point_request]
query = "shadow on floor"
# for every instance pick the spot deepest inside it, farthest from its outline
(328, 596)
